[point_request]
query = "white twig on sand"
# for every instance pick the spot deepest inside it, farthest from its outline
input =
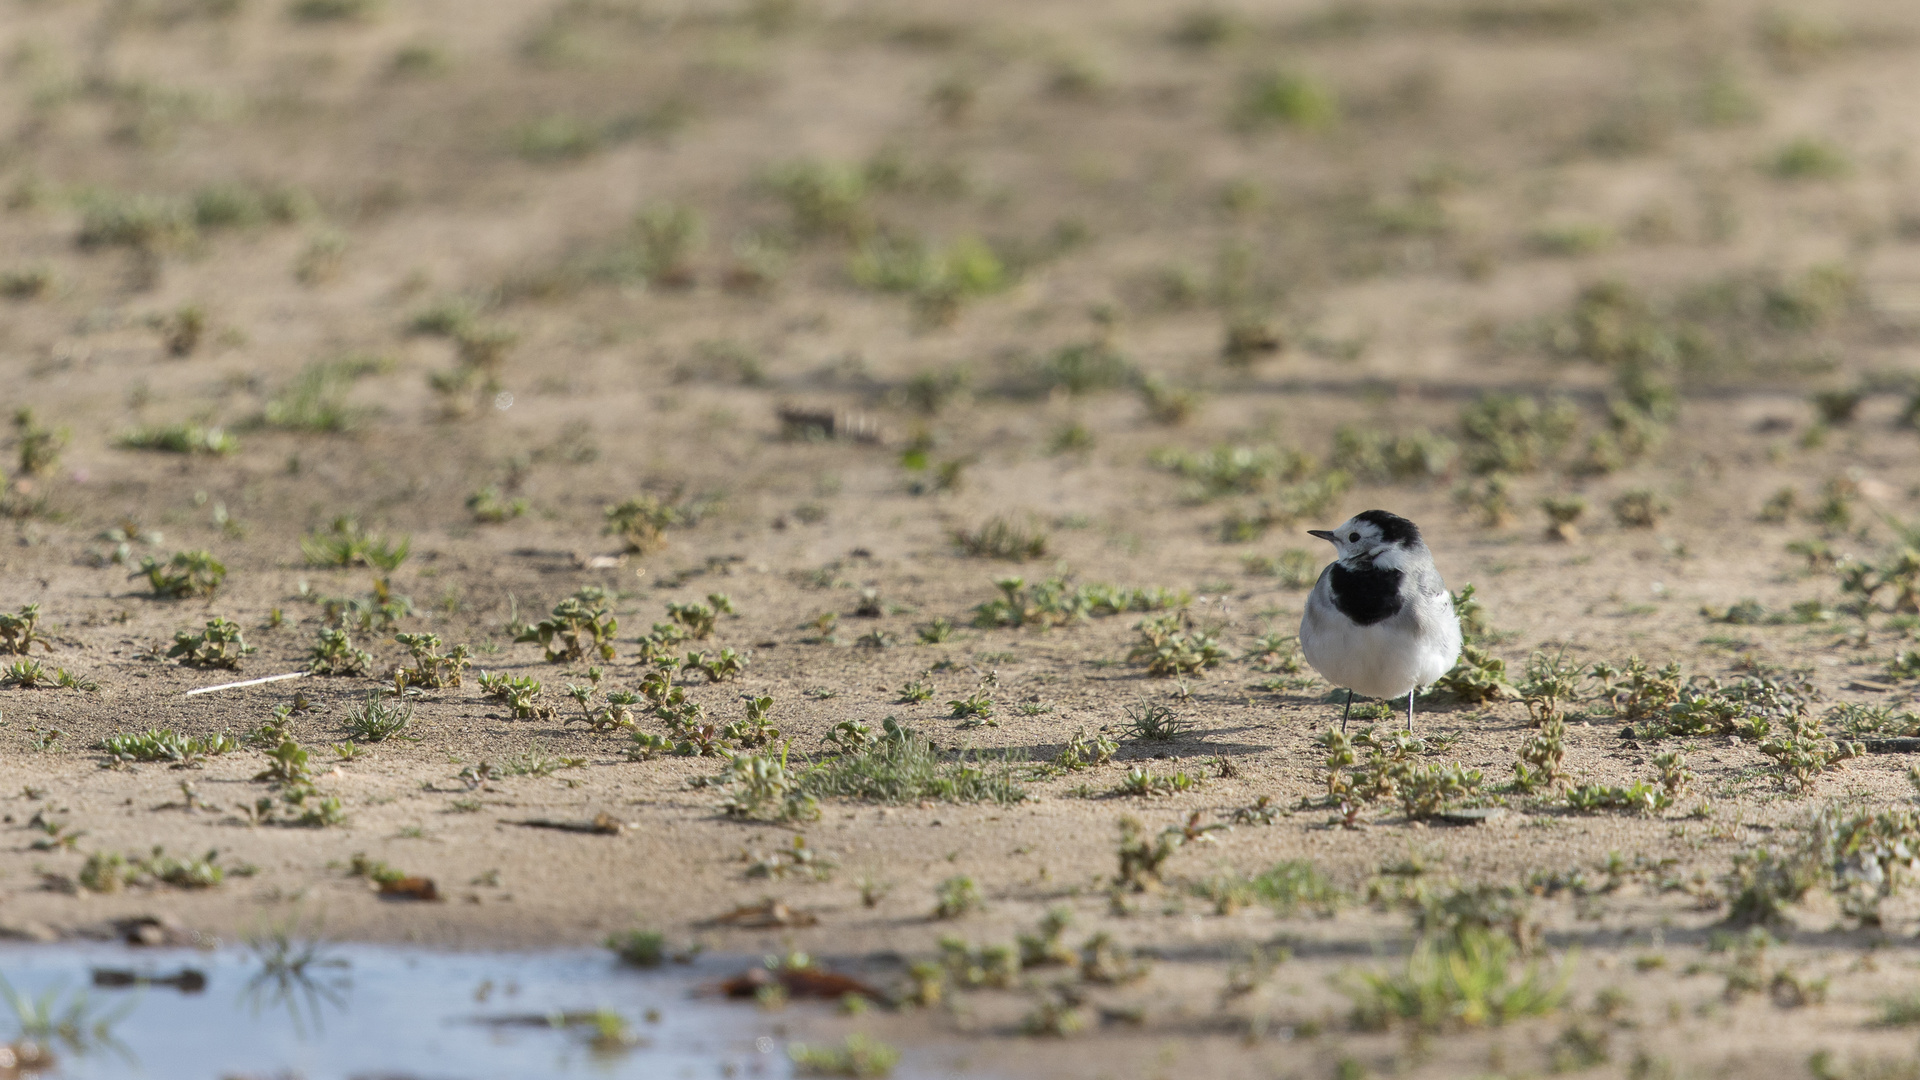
(249, 682)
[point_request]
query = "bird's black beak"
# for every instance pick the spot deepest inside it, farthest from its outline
(1324, 535)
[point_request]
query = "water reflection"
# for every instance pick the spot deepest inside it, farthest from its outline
(293, 1003)
(296, 974)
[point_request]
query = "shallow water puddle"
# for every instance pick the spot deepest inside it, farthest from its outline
(320, 1012)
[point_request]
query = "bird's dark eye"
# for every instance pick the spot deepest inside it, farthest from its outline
(1353, 538)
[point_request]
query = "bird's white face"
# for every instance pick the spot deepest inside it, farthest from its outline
(1354, 539)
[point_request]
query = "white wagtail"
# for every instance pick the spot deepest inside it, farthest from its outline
(1379, 621)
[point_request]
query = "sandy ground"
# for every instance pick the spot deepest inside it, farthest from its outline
(1414, 223)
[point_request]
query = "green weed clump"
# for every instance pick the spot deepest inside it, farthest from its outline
(1463, 982)
(1802, 752)
(1286, 98)
(578, 626)
(904, 767)
(859, 1056)
(1541, 757)
(180, 751)
(640, 948)
(1892, 585)
(1376, 455)
(938, 278)
(1142, 858)
(345, 543)
(1085, 367)
(377, 720)
(1155, 723)
(187, 573)
(144, 223)
(1286, 887)
(1003, 538)
(1236, 470)
(1168, 647)
(181, 439)
(760, 786)
(1056, 602)
(1638, 796)
(1636, 691)
(25, 674)
(520, 694)
(107, 871)
(488, 505)
(219, 644)
(699, 620)
(315, 401)
(333, 654)
(431, 668)
(1551, 682)
(641, 523)
(1296, 568)
(36, 447)
(19, 631)
(1513, 433)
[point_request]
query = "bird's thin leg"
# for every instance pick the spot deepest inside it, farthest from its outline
(1346, 713)
(1409, 710)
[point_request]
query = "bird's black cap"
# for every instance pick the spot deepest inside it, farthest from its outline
(1394, 529)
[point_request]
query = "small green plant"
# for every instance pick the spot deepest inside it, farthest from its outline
(1639, 509)
(1551, 682)
(25, 674)
(345, 543)
(1512, 433)
(1808, 158)
(956, 896)
(859, 1056)
(1802, 752)
(1168, 647)
(1155, 723)
(641, 523)
(488, 505)
(1635, 691)
(1003, 538)
(166, 746)
(376, 720)
(37, 447)
(1287, 98)
(1478, 676)
(579, 625)
(901, 766)
(1466, 981)
(1286, 887)
(518, 693)
(431, 668)
(181, 439)
(916, 691)
(219, 644)
(699, 619)
(1637, 797)
(977, 706)
(757, 728)
(333, 654)
(728, 664)
(19, 632)
(1085, 751)
(1141, 858)
(187, 573)
(640, 948)
(760, 786)
(1541, 757)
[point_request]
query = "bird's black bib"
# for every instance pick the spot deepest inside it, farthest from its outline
(1366, 596)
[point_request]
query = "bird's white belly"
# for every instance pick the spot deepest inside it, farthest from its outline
(1385, 660)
